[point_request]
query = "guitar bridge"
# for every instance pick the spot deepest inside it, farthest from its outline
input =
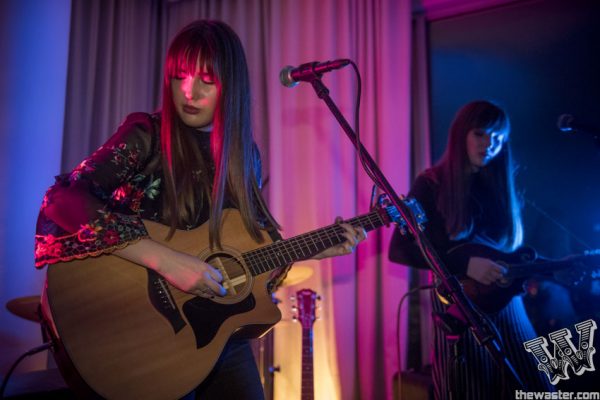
(161, 298)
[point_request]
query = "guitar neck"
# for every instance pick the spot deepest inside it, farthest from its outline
(543, 267)
(308, 388)
(307, 245)
(527, 270)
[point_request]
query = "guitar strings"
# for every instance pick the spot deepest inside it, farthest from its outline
(258, 259)
(298, 243)
(261, 260)
(270, 257)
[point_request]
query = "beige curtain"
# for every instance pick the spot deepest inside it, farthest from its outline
(114, 69)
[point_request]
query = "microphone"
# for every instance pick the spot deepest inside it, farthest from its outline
(290, 76)
(568, 123)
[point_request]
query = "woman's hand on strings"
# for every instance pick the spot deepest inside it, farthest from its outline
(484, 270)
(353, 235)
(191, 275)
(185, 272)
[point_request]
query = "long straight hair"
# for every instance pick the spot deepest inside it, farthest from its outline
(455, 173)
(215, 46)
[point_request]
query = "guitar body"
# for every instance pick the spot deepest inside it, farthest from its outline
(128, 338)
(521, 265)
(493, 298)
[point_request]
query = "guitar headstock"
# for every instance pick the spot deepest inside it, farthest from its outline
(394, 216)
(306, 300)
(583, 268)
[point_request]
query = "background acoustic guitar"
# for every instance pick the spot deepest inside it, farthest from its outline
(306, 300)
(521, 264)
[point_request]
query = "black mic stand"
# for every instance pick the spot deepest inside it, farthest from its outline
(479, 325)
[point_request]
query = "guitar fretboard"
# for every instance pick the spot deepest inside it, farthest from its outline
(308, 389)
(305, 246)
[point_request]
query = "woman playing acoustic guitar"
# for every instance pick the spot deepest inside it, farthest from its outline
(469, 197)
(181, 167)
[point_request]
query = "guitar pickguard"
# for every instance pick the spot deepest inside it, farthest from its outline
(206, 316)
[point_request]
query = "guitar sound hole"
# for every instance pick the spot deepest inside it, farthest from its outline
(236, 279)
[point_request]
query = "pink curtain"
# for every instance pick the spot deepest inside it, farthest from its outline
(314, 176)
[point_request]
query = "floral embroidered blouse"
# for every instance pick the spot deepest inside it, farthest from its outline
(102, 202)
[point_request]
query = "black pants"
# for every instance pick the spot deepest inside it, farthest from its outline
(234, 377)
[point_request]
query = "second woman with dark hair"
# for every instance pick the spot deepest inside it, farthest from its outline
(469, 198)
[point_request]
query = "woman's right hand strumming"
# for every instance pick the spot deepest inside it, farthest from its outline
(185, 272)
(192, 275)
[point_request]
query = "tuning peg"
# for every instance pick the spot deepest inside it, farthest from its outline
(383, 200)
(293, 298)
(294, 308)
(374, 199)
(294, 319)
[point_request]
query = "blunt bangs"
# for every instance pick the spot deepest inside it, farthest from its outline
(493, 119)
(192, 52)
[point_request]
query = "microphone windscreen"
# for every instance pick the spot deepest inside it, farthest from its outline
(285, 77)
(565, 122)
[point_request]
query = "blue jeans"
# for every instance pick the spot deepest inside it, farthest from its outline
(234, 376)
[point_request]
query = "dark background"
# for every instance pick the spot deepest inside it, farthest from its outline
(537, 59)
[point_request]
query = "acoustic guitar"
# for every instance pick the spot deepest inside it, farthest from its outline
(131, 335)
(521, 264)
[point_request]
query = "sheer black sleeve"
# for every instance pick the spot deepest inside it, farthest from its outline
(95, 208)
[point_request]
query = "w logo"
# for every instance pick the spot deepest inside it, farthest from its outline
(565, 355)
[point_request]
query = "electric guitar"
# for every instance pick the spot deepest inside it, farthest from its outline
(306, 300)
(521, 264)
(131, 335)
